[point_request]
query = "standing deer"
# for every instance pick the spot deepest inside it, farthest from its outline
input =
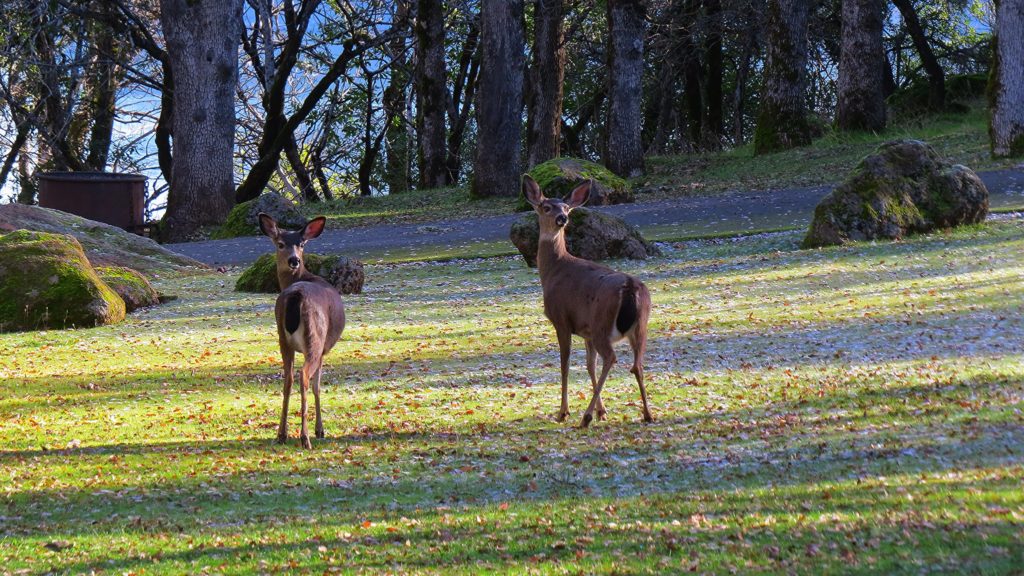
(310, 317)
(586, 299)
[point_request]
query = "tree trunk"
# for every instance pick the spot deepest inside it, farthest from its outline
(459, 105)
(692, 93)
(712, 137)
(1006, 82)
(202, 47)
(623, 147)
(936, 76)
(431, 93)
(740, 90)
(544, 118)
(860, 103)
(499, 104)
(782, 121)
(396, 142)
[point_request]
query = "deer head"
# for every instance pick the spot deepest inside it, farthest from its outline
(552, 213)
(290, 245)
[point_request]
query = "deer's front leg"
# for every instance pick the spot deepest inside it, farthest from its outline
(319, 430)
(288, 357)
(564, 347)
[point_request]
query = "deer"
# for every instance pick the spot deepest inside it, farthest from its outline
(586, 299)
(310, 317)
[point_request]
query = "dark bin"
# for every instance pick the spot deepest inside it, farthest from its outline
(109, 197)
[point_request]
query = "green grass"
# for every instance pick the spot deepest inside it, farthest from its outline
(962, 138)
(855, 409)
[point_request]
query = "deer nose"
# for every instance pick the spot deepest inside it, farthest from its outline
(293, 262)
(561, 219)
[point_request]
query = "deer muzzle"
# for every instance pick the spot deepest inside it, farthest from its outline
(561, 219)
(293, 262)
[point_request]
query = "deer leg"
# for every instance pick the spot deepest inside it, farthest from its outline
(607, 361)
(288, 357)
(592, 370)
(638, 346)
(564, 347)
(304, 433)
(319, 430)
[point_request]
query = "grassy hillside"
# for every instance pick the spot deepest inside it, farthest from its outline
(851, 409)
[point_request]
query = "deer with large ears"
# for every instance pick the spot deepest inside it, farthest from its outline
(586, 299)
(310, 317)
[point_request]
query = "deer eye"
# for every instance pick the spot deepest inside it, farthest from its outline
(547, 209)
(280, 245)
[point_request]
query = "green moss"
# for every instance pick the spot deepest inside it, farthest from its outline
(559, 176)
(130, 285)
(237, 224)
(49, 283)
(261, 276)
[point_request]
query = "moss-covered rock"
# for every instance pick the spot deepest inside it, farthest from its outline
(589, 234)
(47, 282)
(130, 285)
(557, 178)
(242, 220)
(904, 188)
(104, 245)
(346, 274)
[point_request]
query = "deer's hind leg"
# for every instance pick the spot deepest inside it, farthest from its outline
(592, 370)
(638, 342)
(309, 367)
(319, 430)
(607, 353)
(288, 358)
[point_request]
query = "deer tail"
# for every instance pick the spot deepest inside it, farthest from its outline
(293, 311)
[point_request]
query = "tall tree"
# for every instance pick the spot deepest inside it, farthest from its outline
(713, 117)
(936, 75)
(499, 105)
(1006, 83)
(782, 121)
(860, 101)
(460, 100)
(547, 73)
(431, 92)
(396, 140)
(202, 46)
(623, 153)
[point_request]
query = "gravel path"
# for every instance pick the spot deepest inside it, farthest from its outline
(730, 213)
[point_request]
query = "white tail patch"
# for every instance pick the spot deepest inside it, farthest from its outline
(297, 340)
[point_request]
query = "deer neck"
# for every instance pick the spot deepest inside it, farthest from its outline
(551, 253)
(286, 276)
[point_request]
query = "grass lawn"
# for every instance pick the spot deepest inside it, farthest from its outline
(855, 409)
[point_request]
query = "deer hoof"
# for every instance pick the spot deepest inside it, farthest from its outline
(601, 415)
(282, 438)
(562, 416)
(648, 418)
(586, 420)
(305, 442)
(320, 434)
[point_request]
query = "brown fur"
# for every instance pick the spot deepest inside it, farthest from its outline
(584, 298)
(321, 318)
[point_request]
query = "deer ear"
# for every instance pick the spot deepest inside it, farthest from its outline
(267, 225)
(531, 190)
(313, 228)
(579, 196)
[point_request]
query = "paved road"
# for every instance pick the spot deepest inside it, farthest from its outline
(730, 213)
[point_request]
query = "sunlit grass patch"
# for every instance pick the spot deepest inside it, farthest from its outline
(845, 409)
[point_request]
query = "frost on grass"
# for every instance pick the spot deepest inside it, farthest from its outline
(817, 410)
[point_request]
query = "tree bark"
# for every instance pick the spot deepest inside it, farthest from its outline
(459, 105)
(544, 117)
(1006, 82)
(202, 47)
(623, 147)
(431, 93)
(712, 137)
(499, 104)
(936, 76)
(860, 102)
(396, 142)
(782, 121)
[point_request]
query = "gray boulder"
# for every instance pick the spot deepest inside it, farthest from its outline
(904, 188)
(242, 219)
(47, 282)
(589, 234)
